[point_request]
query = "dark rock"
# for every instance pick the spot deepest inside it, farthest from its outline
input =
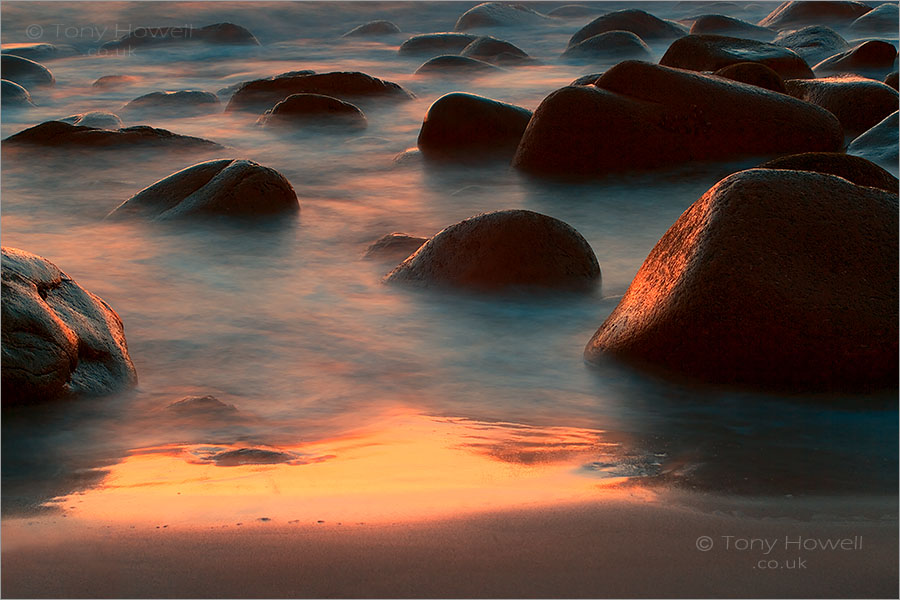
(615, 45)
(643, 24)
(712, 52)
(852, 168)
(314, 111)
(781, 280)
(882, 19)
(645, 116)
(879, 144)
(26, 73)
(722, 25)
(891, 80)
(753, 73)
(227, 92)
(813, 43)
(57, 134)
(114, 81)
(503, 250)
(497, 14)
(41, 51)
(588, 79)
(372, 29)
(13, 95)
(202, 405)
(351, 87)
(394, 246)
(799, 13)
(572, 11)
(490, 49)
(219, 34)
(435, 44)
(857, 102)
(251, 456)
(873, 58)
(238, 188)
(180, 103)
(456, 65)
(59, 340)
(465, 127)
(96, 119)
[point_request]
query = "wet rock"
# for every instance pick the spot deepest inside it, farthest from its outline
(435, 44)
(641, 23)
(882, 19)
(373, 29)
(891, 80)
(251, 456)
(26, 73)
(852, 168)
(645, 116)
(225, 34)
(490, 49)
(503, 250)
(611, 45)
(59, 340)
(497, 14)
(180, 103)
(879, 144)
(234, 188)
(753, 73)
(227, 92)
(96, 119)
(202, 405)
(56, 134)
(723, 25)
(456, 65)
(466, 127)
(588, 79)
(780, 280)
(873, 58)
(799, 13)
(857, 102)
(314, 111)
(813, 43)
(348, 86)
(713, 52)
(109, 82)
(394, 246)
(572, 11)
(14, 95)
(41, 51)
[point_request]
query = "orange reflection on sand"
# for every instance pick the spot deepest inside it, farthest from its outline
(406, 467)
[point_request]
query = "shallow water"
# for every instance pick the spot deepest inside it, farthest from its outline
(286, 322)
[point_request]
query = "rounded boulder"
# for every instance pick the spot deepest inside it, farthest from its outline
(855, 169)
(857, 102)
(753, 73)
(315, 111)
(25, 72)
(610, 45)
(713, 52)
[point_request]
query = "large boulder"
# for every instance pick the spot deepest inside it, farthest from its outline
(394, 246)
(314, 111)
(800, 13)
(490, 49)
(712, 52)
(177, 103)
(497, 14)
(639, 22)
(780, 280)
(59, 340)
(465, 127)
(56, 134)
(813, 43)
(645, 116)
(852, 168)
(503, 250)
(450, 65)
(753, 73)
(723, 25)
(871, 59)
(881, 20)
(857, 102)
(26, 73)
(97, 119)
(352, 87)
(233, 188)
(222, 34)
(610, 45)
(435, 44)
(880, 143)
(13, 95)
(373, 29)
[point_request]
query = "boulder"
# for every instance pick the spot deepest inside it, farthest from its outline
(227, 92)
(202, 406)
(497, 14)
(348, 86)
(800, 13)
(234, 188)
(873, 58)
(502, 250)
(223, 34)
(572, 11)
(13, 95)
(108, 82)
(857, 102)
(26, 73)
(179, 103)
(611, 45)
(59, 340)
(56, 134)
(641, 23)
(753, 73)
(463, 127)
(435, 44)
(778, 280)
(41, 51)
(456, 65)
(490, 49)
(852, 168)
(314, 111)
(813, 43)
(96, 119)
(881, 20)
(712, 52)
(373, 29)
(394, 246)
(588, 79)
(879, 144)
(645, 116)
(723, 25)
(891, 80)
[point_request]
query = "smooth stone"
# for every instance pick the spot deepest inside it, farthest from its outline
(394, 246)
(234, 188)
(713, 52)
(435, 44)
(639, 22)
(497, 14)
(57, 134)
(13, 95)
(466, 127)
(202, 406)
(891, 80)
(855, 169)
(724, 25)
(41, 51)
(314, 111)
(373, 29)
(251, 456)
(872, 58)
(26, 73)
(857, 102)
(490, 49)
(776, 280)
(753, 73)
(882, 19)
(796, 14)
(813, 43)
(227, 92)
(59, 340)
(588, 79)
(114, 81)
(227, 34)
(643, 116)
(610, 45)
(96, 119)
(456, 65)
(879, 144)
(503, 250)
(180, 103)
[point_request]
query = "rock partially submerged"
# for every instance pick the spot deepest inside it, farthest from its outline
(497, 14)
(813, 43)
(202, 406)
(233, 188)
(800, 13)
(114, 81)
(175, 103)
(852, 168)
(753, 73)
(883, 19)
(221, 34)
(25, 72)
(373, 29)
(450, 65)
(639, 22)
(56, 134)
(13, 95)
(490, 49)
(41, 51)
(435, 44)
(879, 144)
(250, 456)
(314, 111)
(96, 119)
(610, 45)
(724, 25)
(874, 58)
(857, 102)
(713, 52)
(781, 280)
(501, 251)
(59, 340)
(394, 246)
